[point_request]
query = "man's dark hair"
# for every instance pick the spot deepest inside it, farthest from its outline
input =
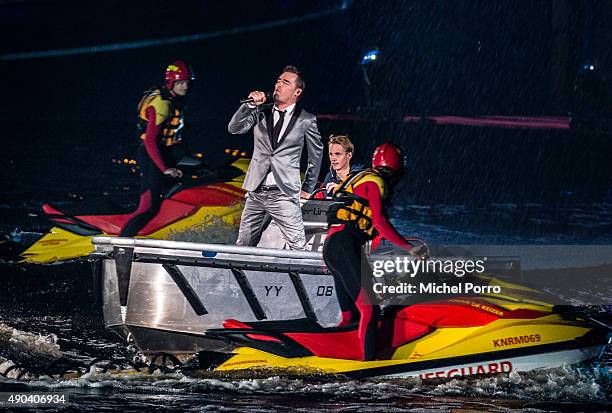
(299, 81)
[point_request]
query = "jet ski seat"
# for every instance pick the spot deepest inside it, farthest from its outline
(334, 342)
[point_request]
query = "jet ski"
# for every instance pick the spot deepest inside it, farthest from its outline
(184, 298)
(457, 336)
(209, 196)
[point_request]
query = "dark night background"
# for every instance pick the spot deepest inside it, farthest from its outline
(66, 117)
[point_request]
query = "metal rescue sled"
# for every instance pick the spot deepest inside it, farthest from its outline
(164, 295)
(254, 308)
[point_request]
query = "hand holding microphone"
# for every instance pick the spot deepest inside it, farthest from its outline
(258, 98)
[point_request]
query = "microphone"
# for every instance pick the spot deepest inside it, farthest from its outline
(269, 98)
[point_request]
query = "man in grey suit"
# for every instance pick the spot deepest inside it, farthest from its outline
(273, 180)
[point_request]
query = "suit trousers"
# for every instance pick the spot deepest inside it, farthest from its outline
(263, 206)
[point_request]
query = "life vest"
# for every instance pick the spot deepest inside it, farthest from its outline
(168, 114)
(353, 210)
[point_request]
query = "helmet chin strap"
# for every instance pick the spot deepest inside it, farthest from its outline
(391, 176)
(387, 172)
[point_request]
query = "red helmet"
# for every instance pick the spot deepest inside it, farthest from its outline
(177, 71)
(390, 156)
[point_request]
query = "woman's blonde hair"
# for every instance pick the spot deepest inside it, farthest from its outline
(342, 140)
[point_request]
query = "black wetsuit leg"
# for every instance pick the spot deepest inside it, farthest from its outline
(342, 255)
(153, 184)
(338, 254)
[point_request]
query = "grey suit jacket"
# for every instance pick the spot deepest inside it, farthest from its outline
(282, 158)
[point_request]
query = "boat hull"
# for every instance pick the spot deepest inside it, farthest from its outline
(164, 295)
(483, 364)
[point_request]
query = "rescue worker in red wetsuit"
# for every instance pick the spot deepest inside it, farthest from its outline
(357, 217)
(160, 120)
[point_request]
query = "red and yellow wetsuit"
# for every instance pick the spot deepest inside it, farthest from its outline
(160, 120)
(359, 218)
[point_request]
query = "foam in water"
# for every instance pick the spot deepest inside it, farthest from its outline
(562, 384)
(21, 343)
(21, 346)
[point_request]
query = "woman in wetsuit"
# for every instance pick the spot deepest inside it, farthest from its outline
(359, 216)
(160, 121)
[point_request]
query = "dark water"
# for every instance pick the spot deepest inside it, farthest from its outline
(49, 322)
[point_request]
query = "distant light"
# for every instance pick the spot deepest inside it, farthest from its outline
(235, 152)
(199, 155)
(228, 151)
(243, 154)
(370, 56)
(126, 160)
(592, 67)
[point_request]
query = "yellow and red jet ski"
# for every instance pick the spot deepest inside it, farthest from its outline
(458, 336)
(213, 196)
